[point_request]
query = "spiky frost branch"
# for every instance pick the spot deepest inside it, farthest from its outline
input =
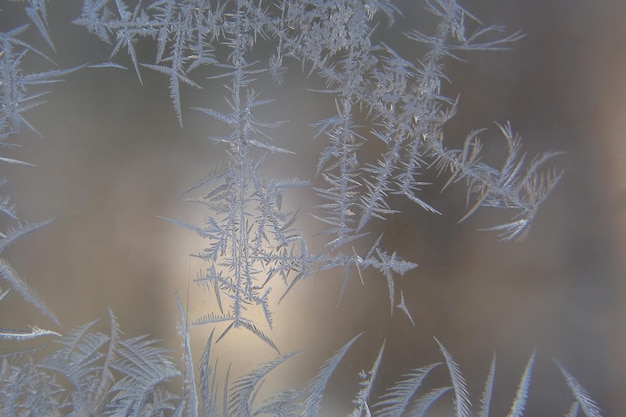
(251, 240)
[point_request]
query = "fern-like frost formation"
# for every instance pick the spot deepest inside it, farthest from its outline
(254, 246)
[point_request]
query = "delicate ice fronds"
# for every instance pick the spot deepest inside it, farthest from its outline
(34, 332)
(190, 401)
(244, 389)
(462, 403)
(184, 32)
(336, 39)
(412, 111)
(144, 369)
(27, 388)
(13, 233)
(315, 388)
(485, 401)
(283, 404)
(208, 383)
(15, 85)
(78, 359)
(339, 165)
(362, 398)
(36, 12)
(387, 265)
(421, 406)
(519, 403)
(374, 202)
(517, 186)
(107, 65)
(453, 18)
(252, 328)
(589, 407)
(250, 240)
(396, 401)
(108, 376)
(212, 318)
(106, 373)
(27, 293)
(175, 75)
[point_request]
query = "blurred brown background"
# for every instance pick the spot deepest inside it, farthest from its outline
(114, 158)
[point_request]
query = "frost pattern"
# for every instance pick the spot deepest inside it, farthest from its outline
(250, 240)
(253, 244)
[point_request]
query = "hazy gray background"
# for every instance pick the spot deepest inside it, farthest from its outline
(114, 158)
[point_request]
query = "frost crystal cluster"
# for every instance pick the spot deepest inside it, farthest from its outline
(253, 245)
